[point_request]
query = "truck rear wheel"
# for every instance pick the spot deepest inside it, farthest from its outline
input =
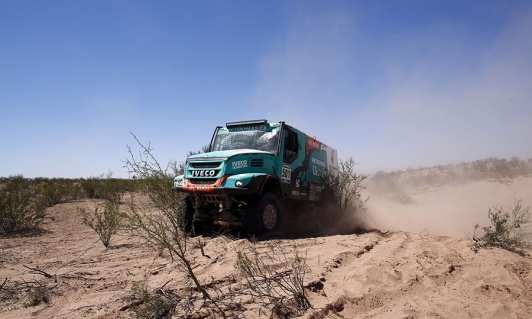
(263, 215)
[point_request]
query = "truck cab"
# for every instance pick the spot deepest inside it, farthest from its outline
(252, 169)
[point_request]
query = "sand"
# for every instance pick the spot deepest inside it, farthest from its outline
(416, 263)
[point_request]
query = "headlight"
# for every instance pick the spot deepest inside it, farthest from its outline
(179, 183)
(238, 184)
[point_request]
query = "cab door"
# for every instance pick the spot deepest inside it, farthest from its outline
(293, 170)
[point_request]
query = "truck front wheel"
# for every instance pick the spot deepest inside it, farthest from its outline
(263, 215)
(185, 215)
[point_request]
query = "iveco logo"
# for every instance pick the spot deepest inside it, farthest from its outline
(203, 173)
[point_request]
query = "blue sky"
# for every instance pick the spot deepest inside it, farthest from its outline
(393, 84)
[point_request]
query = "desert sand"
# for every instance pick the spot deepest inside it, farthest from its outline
(415, 261)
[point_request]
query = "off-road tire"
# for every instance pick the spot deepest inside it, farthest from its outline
(185, 214)
(263, 215)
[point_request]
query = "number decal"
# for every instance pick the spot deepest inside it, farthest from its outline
(285, 176)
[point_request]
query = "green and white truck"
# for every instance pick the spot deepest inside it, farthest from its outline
(250, 174)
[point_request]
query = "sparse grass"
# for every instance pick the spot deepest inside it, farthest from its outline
(146, 305)
(36, 296)
(7, 292)
(275, 277)
(506, 230)
(34, 292)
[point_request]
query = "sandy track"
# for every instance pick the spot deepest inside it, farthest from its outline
(392, 274)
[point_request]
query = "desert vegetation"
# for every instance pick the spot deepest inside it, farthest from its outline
(106, 220)
(507, 230)
(273, 276)
(278, 291)
(21, 206)
(344, 187)
(23, 200)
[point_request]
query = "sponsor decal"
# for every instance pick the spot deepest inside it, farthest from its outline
(203, 173)
(295, 193)
(312, 191)
(180, 183)
(319, 167)
(318, 162)
(201, 188)
(240, 164)
(312, 144)
(248, 128)
(285, 175)
(189, 187)
(298, 182)
(318, 171)
(303, 194)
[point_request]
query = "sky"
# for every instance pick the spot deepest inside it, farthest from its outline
(392, 84)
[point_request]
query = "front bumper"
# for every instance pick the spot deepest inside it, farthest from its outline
(224, 185)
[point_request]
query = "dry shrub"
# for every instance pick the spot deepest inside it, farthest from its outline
(164, 228)
(275, 277)
(21, 208)
(106, 187)
(105, 223)
(146, 305)
(344, 186)
(506, 230)
(36, 296)
(59, 190)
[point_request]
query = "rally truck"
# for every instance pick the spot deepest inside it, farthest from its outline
(252, 172)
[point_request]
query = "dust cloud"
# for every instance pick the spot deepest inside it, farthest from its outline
(450, 210)
(323, 220)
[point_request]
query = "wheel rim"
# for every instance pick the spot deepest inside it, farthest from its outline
(269, 216)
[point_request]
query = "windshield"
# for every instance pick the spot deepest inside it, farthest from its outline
(256, 140)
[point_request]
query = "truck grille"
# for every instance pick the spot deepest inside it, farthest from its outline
(202, 173)
(256, 162)
(203, 181)
(205, 164)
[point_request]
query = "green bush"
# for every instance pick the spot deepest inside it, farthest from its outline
(56, 191)
(91, 187)
(20, 207)
(105, 223)
(506, 230)
(344, 187)
(106, 187)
